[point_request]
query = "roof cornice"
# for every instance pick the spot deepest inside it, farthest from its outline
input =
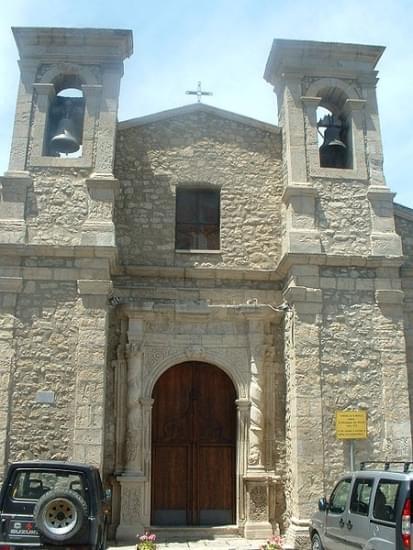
(197, 108)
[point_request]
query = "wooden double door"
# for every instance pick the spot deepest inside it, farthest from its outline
(193, 447)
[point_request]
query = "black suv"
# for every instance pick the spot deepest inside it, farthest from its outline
(49, 503)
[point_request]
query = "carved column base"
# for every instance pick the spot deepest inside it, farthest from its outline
(297, 536)
(134, 508)
(258, 524)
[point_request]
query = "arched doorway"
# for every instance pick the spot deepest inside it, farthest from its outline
(193, 447)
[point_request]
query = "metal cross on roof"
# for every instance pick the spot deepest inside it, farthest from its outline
(198, 92)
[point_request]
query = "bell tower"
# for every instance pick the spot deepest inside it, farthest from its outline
(341, 257)
(330, 89)
(57, 235)
(65, 126)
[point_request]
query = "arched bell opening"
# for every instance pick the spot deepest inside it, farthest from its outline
(334, 132)
(194, 424)
(64, 131)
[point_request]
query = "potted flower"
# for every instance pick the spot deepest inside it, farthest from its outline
(147, 541)
(274, 543)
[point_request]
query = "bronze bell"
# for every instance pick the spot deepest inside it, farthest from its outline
(64, 140)
(333, 151)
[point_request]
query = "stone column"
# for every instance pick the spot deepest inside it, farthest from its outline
(99, 229)
(18, 151)
(256, 481)
(121, 395)
(304, 410)
(135, 510)
(135, 478)
(45, 94)
(88, 439)
(292, 122)
(243, 415)
(105, 147)
(9, 289)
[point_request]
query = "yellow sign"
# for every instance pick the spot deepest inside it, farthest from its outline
(351, 424)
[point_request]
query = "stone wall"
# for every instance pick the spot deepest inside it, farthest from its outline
(341, 231)
(404, 227)
(198, 149)
(45, 340)
(53, 339)
(362, 351)
(56, 206)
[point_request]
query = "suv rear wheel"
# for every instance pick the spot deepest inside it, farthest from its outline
(60, 515)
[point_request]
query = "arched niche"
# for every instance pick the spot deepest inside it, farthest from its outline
(334, 109)
(67, 99)
(65, 119)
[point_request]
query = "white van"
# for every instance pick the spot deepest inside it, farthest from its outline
(370, 509)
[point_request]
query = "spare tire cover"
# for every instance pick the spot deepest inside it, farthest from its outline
(59, 515)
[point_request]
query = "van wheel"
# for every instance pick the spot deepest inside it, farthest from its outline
(316, 542)
(60, 515)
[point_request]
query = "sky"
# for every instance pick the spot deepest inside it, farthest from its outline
(225, 45)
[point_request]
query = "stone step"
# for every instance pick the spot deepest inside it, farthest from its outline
(195, 533)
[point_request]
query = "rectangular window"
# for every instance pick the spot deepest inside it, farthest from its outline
(197, 219)
(32, 484)
(360, 498)
(386, 499)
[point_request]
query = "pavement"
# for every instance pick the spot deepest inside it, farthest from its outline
(213, 543)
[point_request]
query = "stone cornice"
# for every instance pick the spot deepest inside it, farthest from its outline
(290, 260)
(198, 273)
(200, 310)
(57, 251)
(314, 57)
(51, 43)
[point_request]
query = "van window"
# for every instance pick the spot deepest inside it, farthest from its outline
(339, 497)
(386, 499)
(360, 498)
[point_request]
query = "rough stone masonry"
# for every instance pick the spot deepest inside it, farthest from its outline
(303, 303)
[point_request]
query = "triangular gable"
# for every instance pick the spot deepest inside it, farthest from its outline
(197, 108)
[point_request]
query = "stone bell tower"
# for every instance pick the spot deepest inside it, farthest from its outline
(54, 61)
(341, 256)
(57, 240)
(342, 79)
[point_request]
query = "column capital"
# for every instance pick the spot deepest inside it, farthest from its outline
(243, 404)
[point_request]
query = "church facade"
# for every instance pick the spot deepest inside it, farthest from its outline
(189, 298)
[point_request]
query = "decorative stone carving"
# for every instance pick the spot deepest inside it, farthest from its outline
(131, 504)
(194, 351)
(154, 356)
(258, 505)
(133, 348)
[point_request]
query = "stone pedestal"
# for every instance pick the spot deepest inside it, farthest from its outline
(134, 518)
(258, 487)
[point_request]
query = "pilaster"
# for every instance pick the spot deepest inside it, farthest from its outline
(134, 479)
(384, 239)
(10, 287)
(391, 346)
(88, 437)
(304, 408)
